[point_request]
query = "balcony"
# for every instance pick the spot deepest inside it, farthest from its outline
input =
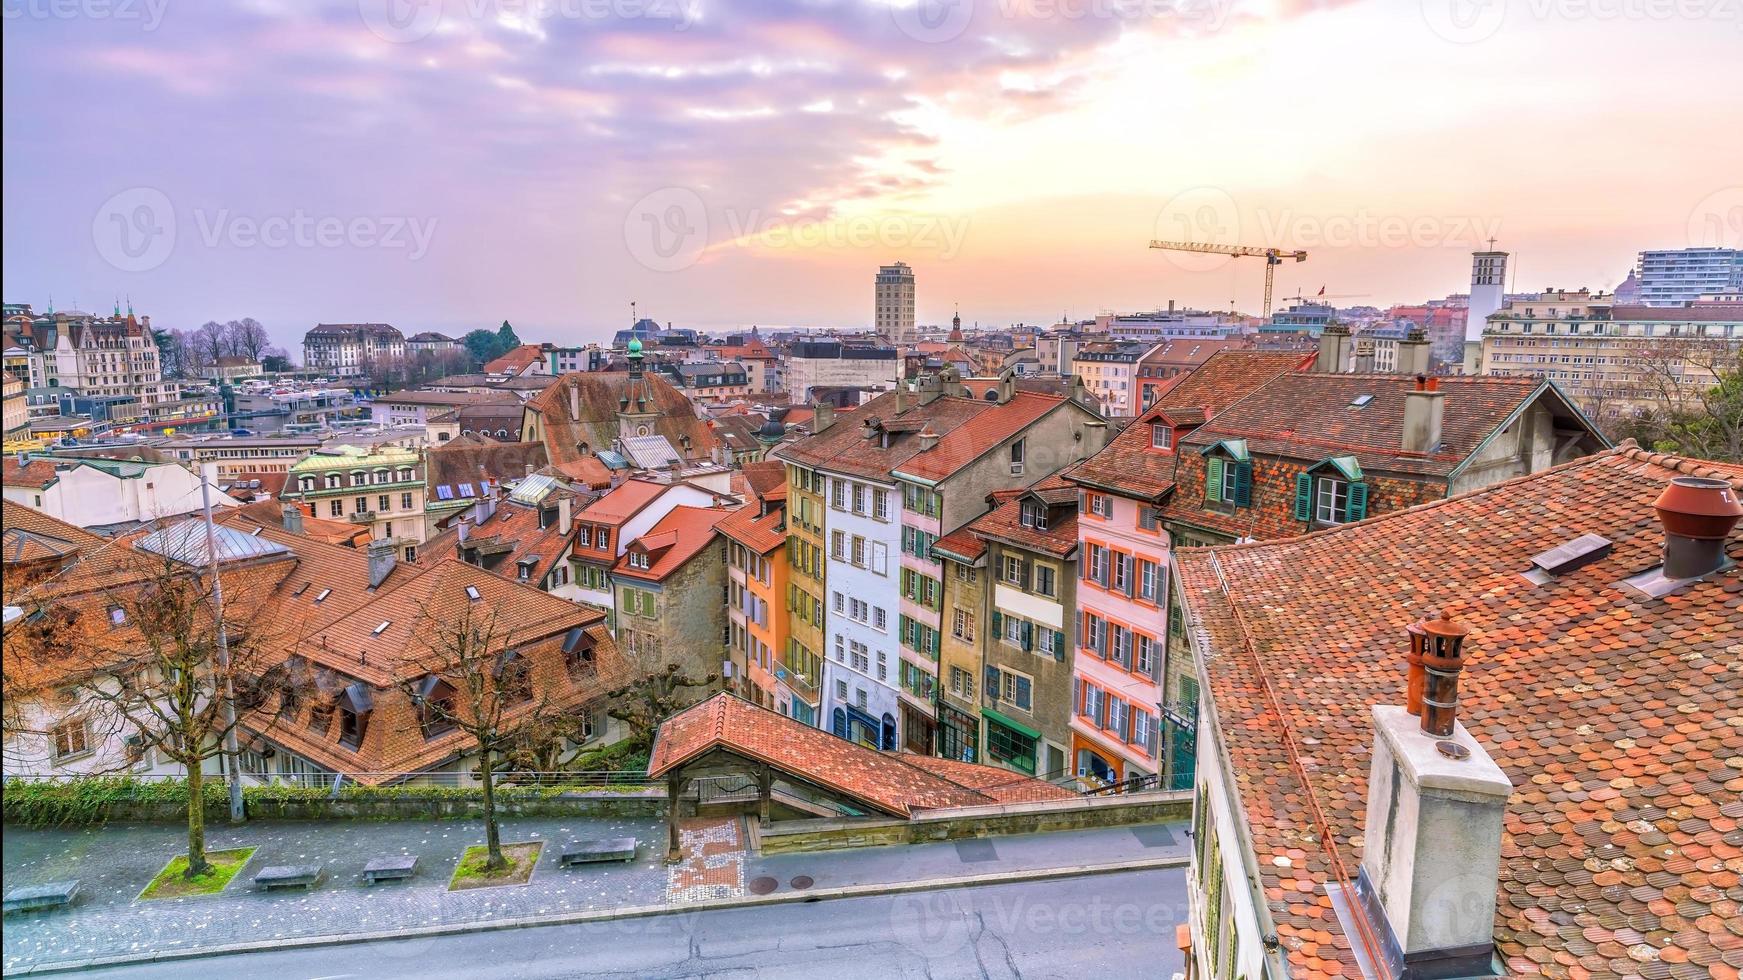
(796, 682)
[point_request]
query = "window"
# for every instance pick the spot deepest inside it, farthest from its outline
(838, 494)
(434, 699)
(1096, 569)
(385, 502)
(962, 624)
(71, 738)
(1032, 513)
(1044, 581)
(1011, 570)
(1149, 575)
(881, 504)
(514, 678)
(1017, 453)
(352, 726)
(837, 544)
(1094, 633)
(1147, 648)
(1101, 505)
(405, 501)
(1009, 687)
(962, 683)
(859, 498)
(362, 505)
(1010, 747)
(1228, 481)
(1116, 718)
(1161, 436)
(336, 508)
(117, 616)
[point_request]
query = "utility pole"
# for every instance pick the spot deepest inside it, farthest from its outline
(232, 765)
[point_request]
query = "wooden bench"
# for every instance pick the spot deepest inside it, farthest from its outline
(49, 895)
(394, 867)
(288, 876)
(596, 851)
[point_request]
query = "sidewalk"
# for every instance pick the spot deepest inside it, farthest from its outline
(108, 921)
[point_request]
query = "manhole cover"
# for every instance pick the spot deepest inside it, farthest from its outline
(763, 884)
(801, 882)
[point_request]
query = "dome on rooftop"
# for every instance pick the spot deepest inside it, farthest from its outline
(635, 346)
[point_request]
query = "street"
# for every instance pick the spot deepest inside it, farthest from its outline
(1108, 926)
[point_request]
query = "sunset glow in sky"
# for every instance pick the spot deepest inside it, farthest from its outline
(448, 165)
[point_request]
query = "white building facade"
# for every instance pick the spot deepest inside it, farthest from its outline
(860, 699)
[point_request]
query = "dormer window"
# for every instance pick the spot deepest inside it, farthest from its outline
(1331, 492)
(434, 700)
(355, 704)
(1032, 513)
(1228, 474)
(514, 678)
(1161, 436)
(578, 652)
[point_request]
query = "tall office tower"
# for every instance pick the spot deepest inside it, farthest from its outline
(1488, 293)
(893, 303)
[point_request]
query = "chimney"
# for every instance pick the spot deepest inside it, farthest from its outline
(1698, 514)
(574, 401)
(380, 560)
(564, 522)
(1413, 352)
(1364, 356)
(928, 437)
(462, 528)
(1424, 412)
(292, 516)
(1334, 349)
(1007, 385)
(1432, 856)
(823, 417)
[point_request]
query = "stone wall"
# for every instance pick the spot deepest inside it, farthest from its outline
(364, 803)
(970, 822)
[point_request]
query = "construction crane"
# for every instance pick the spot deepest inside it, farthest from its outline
(1273, 258)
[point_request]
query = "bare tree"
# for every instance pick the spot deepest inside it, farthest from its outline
(145, 663)
(210, 341)
(461, 673)
(246, 338)
(653, 694)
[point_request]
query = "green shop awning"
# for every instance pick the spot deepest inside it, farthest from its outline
(1015, 726)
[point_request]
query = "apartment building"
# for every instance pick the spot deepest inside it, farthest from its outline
(670, 590)
(916, 466)
(241, 457)
(1677, 276)
(108, 494)
(893, 303)
(381, 487)
(606, 526)
(1110, 372)
(1615, 358)
(801, 659)
(348, 350)
(756, 572)
(107, 359)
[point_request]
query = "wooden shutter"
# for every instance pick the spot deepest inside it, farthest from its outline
(1358, 505)
(1243, 483)
(1304, 496)
(998, 624)
(1028, 631)
(1213, 478)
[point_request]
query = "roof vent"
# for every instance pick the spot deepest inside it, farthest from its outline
(1570, 557)
(1698, 514)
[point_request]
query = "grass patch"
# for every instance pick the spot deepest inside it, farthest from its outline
(169, 882)
(470, 872)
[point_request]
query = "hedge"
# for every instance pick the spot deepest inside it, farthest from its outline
(36, 803)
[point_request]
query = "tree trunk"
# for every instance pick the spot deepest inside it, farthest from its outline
(492, 836)
(196, 823)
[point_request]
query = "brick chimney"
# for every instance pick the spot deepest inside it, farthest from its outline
(1432, 842)
(292, 516)
(381, 560)
(928, 437)
(1698, 514)
(1334, 349)
(1424, 413)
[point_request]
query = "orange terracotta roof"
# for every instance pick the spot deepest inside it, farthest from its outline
(961, 543)
(678, 537)
(1005, 523)
(36, 474)
(623, 502)
(586, 471)
(760, 532)
(598, 426)
(895, 784)
(515, 361)
(1616, 718)
(1002, 785)
(270, 513)
(1128, 465)
(979, 435)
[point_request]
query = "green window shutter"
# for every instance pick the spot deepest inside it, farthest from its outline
(1243, 484)
(1028, 636)
(1304, 496)
(1358, 506)
(1213, 478)
(998, 623)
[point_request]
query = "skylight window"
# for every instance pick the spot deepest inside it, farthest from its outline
(324, 593)
(472, 592)
(300, 590)
(466, 490)
(381, 627)
(1361, 401)
(444, 492)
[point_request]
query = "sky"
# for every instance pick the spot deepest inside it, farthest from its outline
(448, 164)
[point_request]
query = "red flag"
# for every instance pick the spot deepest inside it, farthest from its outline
(1322, 290)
